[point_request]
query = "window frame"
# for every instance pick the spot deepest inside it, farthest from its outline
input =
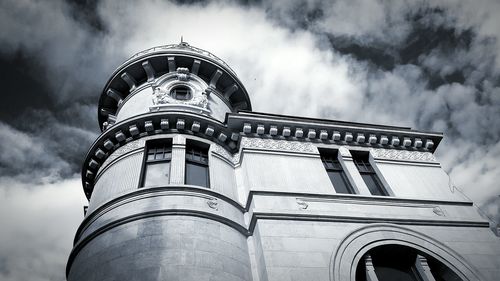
(166, 144)
(200, 150)
(332, 157)
(361, 160)
(187, 92)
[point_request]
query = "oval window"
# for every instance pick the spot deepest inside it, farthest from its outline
(181, 93)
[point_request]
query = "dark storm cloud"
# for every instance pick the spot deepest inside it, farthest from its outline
(52, 70)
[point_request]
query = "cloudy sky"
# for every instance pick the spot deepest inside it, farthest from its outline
(431, 65)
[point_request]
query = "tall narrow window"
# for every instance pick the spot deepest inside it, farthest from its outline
(368, 173)
(157, 166)
(197, 164)
(335, 172)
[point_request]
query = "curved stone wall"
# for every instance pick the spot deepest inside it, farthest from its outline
(176, 231)
(164, 248)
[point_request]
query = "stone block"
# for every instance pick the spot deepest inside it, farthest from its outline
(247, 128)
(311, 134)
(323, 135)
(148, 126)
(273, 131)
(286, 131)
(299, 133)
(260, 129)
(195, 127)
(164, 124)
(336, 136)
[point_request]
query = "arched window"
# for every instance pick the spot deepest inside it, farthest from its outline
(397, 262)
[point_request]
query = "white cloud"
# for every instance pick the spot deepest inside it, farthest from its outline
(38, 227)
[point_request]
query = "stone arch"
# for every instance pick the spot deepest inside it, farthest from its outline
(346, 257)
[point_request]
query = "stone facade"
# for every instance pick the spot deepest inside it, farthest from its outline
(271, 212)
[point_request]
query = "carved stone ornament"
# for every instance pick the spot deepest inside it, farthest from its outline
(161, 97)
(302, 205)
(438, 211)
(283, 145)
(182, 74)
(213, 204)
(393, 154)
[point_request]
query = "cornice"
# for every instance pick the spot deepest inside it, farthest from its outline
(129, 130)
(269, 126)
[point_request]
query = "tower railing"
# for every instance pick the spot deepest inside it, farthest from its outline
(182, 45)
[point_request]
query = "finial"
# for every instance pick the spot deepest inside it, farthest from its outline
(182, 43)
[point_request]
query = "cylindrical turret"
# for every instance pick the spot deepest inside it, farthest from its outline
(163, 198)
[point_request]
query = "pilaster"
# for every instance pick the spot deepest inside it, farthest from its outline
(178, 160)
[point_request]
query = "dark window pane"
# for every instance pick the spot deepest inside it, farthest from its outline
(393, 273)
(441, 272)
(373, 184)
(335, 171)
(394, 262)
(181, 93)
(196, 174)
(340, 182)
(157, 173)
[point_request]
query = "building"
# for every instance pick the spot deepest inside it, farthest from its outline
(187, 183)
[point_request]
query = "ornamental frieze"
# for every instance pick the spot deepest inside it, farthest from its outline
(233, 158)
(393, 154)
(282, 145)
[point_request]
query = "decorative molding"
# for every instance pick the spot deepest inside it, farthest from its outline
(393, 154)
(183, 74)
(282, 145)
(133, 145)
(161, 97)
(212, 203)
(302, 205)
(437, 210)
(356, 244)
(233, 158)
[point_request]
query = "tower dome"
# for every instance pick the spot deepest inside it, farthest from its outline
(161, 90)
(153, 79)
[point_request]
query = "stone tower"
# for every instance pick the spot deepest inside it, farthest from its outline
(185, 182)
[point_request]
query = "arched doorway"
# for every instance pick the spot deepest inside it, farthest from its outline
(444, 262)
(402, 263)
